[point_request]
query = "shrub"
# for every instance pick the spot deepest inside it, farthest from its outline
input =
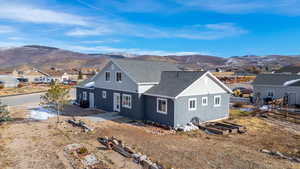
(20, 85)
(4, 113)
(1, 86)
(82, 150)
(238, 105)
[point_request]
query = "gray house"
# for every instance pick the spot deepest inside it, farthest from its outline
(157, 91)
(8, 81)
(275, 86)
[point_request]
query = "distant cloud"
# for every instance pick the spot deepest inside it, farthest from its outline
(6, 29)
(202, 32)
(26, 13)
(107, 49)
(15, 38)
(288, 7)
(101, 41)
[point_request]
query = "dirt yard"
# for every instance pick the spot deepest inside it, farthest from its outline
(39, 144)
(32, 88)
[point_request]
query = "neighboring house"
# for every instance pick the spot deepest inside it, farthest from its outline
(156, 91)
(9, 81)
(275, 86)
(289, 69)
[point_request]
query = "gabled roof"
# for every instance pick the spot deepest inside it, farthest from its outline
(274, 79)
(144, 71)
(172, 83)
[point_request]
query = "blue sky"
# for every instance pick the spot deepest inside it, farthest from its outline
(161, 27)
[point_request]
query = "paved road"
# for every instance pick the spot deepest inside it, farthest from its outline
(29, 99)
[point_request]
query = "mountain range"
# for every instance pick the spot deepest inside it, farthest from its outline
(44, 57)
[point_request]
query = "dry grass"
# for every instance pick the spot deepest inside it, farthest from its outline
(23, 90)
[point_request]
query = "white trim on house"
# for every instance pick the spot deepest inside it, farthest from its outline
(129, 105)
(223, 86)
(104, 94)
(84, 95)
(116, 76)
(204, 98)
(194, 107)
(220, 100)
(109, 76)
(157, 105)
(156, 95)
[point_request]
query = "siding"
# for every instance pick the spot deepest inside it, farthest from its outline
(127, 83)
(152, 114)
(79, 95)
(205, 113)
(279, 91)
(136, 111)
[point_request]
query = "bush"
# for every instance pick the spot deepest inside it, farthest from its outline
(1, 86)
(20, 85)
(4, 113)
(238, 105)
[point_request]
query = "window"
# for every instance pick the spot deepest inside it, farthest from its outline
(217, 101)
(84, 96)
(162, 106)
(126, 101)
(193, 104)
(118, 76)
(104, 94)
(107, 76)
(204, 101)
(270, 94)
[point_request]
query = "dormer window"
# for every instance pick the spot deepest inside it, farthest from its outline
(118, 76)
(107, 76)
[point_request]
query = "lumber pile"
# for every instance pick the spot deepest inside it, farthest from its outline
(223, 128)
(80, 124)
(280, 155)
(118, 146)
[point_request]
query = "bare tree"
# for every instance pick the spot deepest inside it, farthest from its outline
(56, 97)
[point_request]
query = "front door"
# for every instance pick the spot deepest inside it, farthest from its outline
(91, 100)
(117, 102)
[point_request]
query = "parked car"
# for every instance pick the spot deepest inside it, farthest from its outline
(69, 82)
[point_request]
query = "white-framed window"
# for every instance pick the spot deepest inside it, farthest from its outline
(126, 101)
(270, 94)
(217, 101)
(119, 76)
(84, 96)
(192, 104)
(204, 101)
(104, 94)
(162, 105)
(107, 76)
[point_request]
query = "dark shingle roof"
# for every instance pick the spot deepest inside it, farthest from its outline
(145, 71)
(274, 79)
(174, 82)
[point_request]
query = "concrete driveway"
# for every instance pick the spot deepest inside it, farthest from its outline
(104, 116)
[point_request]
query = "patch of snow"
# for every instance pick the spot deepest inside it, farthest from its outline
(90, 84)
(246, 109)
(40, 113)
(287, 83)
(264, 108)
(188, 127)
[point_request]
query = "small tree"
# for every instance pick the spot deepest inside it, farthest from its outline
(4, 113)
(80, 75)
(56, 97)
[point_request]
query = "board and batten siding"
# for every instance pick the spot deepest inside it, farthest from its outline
(151, 113)
(107, 104)
(127, 83)
(203, 86)
(278, 91)
(182, 114)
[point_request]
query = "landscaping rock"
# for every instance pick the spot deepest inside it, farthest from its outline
(146, 163)
(72, 147)
(90, 160)
(142, 158)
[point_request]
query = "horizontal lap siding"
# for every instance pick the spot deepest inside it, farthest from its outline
(79, 91)
(205, 113)
(136, 111)
(152, 114)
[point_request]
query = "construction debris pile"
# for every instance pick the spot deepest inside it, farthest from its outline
(118, 146)
(223, 128)
(80, 124)
(79, 157)
(280, 155)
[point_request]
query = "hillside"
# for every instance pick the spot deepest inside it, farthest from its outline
(45, 57)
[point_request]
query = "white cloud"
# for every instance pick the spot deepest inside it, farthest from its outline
(107, 49)
(101, 41)
(6, 29)
(26, 13)
(202, 32)
(15, 38)
(289, 7)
